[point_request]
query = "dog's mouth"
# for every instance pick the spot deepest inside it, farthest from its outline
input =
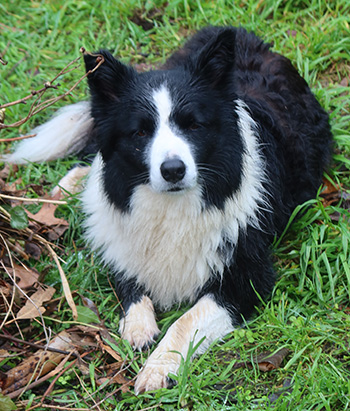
(175, 189)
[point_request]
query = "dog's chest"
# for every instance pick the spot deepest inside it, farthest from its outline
(168, 244)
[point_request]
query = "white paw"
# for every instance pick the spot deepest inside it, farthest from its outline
(139, 326)
(154, 376)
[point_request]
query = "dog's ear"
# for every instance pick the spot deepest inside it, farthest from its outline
(107, 80)
(214, 61)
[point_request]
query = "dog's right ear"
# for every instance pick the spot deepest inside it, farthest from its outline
(109, 78)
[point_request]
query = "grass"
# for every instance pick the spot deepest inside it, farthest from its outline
(309, 309)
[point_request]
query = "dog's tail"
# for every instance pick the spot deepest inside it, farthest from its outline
(66, 133)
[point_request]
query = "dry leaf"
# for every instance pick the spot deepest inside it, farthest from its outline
(265, 361)
(36, 365)
(46, 216)
(4, 354)
(25, 277)
(38, 298)
(268, 362)
(53, 227)
(7, 170)
(33, 249)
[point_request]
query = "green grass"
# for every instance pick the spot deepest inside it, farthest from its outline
(309, 310)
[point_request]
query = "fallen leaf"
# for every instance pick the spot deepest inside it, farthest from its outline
(38, 298)
(33, 250)
(46, 216)
(266, 361)
(36, 365)
(4, 354)
(7, 170)
(52, 226)
(25, 277)
(344, 82)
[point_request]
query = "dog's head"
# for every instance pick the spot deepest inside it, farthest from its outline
(168, 128)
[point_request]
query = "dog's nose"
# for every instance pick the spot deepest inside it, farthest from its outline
(173, 170)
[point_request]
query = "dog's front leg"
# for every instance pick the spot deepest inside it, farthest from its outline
(205, 319)
(138, 322)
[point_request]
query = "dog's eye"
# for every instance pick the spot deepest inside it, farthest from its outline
(194, 126)
(141, 133)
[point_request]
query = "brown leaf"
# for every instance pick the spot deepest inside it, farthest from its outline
(111, 352)
(265, 361)
(25, 277)
(46, 216)
(7, 170)
(4, 354)
(38, 298)
(344, 82)
(53, 226)
(118, 378)
(36, 365)
(33, 250)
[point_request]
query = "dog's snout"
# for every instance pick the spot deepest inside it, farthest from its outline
(173, 170)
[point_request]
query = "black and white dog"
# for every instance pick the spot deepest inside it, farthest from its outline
(199, 165)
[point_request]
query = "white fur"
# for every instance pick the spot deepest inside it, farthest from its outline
(167, 145)
(139, 326)
(169, 243)
(206, 319)
(64, 134)
(72, 182)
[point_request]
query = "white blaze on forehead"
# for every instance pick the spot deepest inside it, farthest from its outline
(168, 143)
(162, 101)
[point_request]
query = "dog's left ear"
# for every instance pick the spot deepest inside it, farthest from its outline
(215, 60)
(107, 80)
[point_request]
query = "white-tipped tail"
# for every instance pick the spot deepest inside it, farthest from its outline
(66, 133)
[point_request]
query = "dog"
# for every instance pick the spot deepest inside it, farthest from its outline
(198, 167)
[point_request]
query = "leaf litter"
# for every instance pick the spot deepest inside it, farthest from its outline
(26, 299)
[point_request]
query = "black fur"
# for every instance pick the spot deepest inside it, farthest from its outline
(214, 68)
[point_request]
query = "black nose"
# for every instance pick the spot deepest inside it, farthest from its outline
(173, 170)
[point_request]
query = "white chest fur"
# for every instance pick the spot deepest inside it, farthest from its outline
(167, 242)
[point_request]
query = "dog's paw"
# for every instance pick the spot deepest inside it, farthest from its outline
(140, 335)
(155, 376)
(139, 326)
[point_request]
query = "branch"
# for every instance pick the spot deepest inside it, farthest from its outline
(37, 106)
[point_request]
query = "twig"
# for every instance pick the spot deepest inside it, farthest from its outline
(32, 200)
(13, 279)
(57, 407)
(9, 140)
(66, 289)
(37, 346)
(36, 106)
(87, 392)
(13, 290)
(39, 381)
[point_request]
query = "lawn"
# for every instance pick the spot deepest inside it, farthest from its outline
(308, 316)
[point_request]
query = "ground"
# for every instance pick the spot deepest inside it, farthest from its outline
(307, 322)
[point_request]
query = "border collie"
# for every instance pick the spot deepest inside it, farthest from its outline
(198, 167)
